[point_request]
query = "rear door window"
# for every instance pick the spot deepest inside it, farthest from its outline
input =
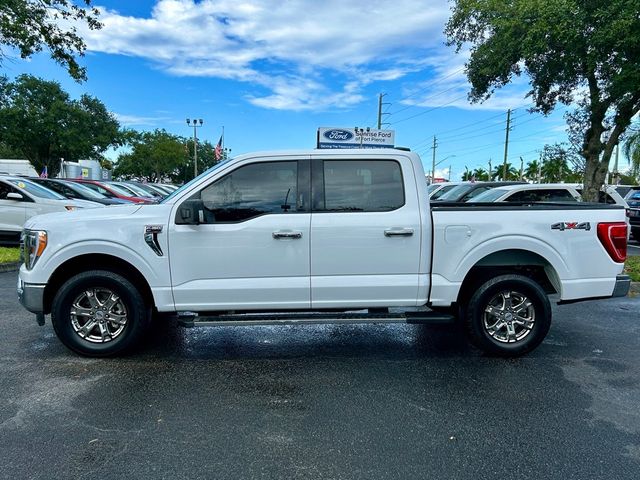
(362, 186)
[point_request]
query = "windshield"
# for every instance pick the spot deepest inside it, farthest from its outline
(137, 190)
(84, 190)
(119, 190)
(37, 190)
(194, 180)
(489, 195)
(441, 192)
(456, 192)
(433, 186)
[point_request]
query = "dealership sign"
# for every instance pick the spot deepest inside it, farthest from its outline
(355, 138)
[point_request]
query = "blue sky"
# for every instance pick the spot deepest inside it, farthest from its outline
(273, 71)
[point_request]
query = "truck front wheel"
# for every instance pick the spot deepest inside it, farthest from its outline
(508, 316)
(99, 314)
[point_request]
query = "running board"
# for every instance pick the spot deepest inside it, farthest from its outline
(189, 319)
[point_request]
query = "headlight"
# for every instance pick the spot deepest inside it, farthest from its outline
(33, 244)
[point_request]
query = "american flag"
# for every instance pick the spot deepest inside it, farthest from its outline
(44, 173)
(218, 150)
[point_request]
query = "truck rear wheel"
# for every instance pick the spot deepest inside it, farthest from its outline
(99, 314)
(508, 316)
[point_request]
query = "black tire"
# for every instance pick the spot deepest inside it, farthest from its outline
(491, 305)
(130, 307)
(635, 233)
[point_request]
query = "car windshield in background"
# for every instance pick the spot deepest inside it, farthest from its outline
(196, 179)
(441, 192)
(120, 191)
(86, 191)
(37, 190)
(456, 192)
(432, 187)
(489, 195)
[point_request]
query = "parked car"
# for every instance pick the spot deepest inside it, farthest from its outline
(155, 188)
(77, 191)
(21, 199)
(468, 190)
(167, 186)
(319, 236)
(436, 190)
(608, 194)
(112, 191)
(633, 213)
(530, 192)
(137, 190)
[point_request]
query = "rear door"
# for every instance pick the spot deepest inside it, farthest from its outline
(365, 232)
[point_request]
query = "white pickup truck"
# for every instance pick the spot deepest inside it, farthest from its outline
(340, 236)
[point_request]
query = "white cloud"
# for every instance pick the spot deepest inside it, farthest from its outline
(290, 48)
(136, 120)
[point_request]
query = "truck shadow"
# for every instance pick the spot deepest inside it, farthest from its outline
(306, 341)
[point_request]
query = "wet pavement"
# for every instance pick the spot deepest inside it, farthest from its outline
(330, 402)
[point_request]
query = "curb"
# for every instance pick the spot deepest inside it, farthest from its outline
(9, 267)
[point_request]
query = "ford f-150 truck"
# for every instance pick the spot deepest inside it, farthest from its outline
(317, 236)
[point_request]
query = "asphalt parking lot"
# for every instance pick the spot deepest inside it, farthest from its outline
(330, 402)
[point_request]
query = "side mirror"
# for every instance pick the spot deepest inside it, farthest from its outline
(192, 212)
(14, 196)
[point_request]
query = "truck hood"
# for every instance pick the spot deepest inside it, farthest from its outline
(80, 218)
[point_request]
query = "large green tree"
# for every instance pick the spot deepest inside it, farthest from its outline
(153, 157)
(159, 155)
(30, 26)
(40, 121)
(587, 51)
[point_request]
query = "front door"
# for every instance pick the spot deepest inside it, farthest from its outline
(366, 233)
(252, 251)
(12, 213)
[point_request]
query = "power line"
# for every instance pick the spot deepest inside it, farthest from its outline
(429, 110)
(431, 84)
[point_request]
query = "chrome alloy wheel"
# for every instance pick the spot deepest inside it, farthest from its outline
(509, 317)
(98, 315)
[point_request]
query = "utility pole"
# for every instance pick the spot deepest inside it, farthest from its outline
(521, 168)
(380, 112)
(489, 169)
(506, 145)
(539, 171)
(433, 161)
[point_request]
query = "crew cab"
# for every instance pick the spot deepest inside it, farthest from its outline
(317, 236)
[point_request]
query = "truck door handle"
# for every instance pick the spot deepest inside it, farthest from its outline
(398, 232)
(286, 234)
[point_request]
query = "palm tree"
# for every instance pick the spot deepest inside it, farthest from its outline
(512, 173)
(632, 151)
(481, 174)
(532, 170)
(555, 170)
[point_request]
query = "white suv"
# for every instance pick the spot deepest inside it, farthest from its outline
(21, 199)
(533, 192)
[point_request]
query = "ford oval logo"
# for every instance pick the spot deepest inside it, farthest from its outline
(338, 135)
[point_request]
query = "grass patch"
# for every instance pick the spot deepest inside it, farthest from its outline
(9, 255)
(632, 268)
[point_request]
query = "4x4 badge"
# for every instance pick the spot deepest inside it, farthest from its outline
(562, 226)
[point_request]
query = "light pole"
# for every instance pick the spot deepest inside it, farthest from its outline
(195, 124)
(433, 172)
(361, 131)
